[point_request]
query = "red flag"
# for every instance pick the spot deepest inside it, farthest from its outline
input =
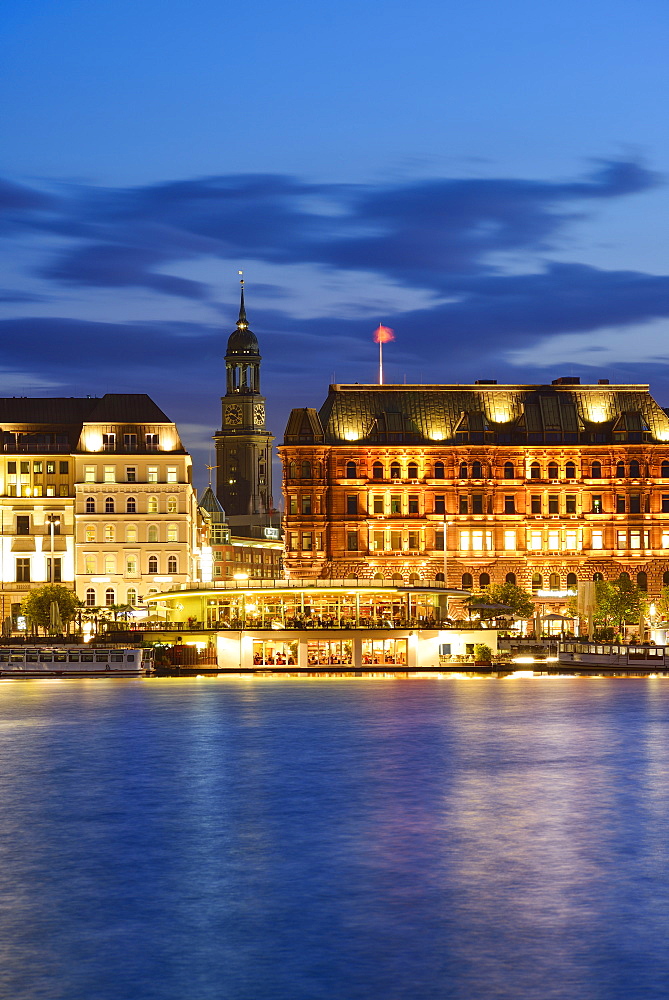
(383, 334)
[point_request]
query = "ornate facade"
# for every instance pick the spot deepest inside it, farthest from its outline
(540, 485)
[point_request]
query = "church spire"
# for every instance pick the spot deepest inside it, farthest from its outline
(241, 322)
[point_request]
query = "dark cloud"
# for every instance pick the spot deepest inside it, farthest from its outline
(120, 267)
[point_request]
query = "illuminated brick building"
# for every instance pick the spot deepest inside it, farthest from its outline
(540, 485)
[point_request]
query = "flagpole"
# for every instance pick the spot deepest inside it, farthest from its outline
(380, 362)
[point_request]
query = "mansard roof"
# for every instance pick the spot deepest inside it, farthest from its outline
(562, 411)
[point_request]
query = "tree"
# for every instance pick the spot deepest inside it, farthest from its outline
(37, 605)
(619, 602)
(516, 599)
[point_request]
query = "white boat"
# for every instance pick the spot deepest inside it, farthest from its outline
(73, 661)
(612, 656)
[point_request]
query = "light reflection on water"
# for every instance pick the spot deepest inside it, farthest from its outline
(297, 840)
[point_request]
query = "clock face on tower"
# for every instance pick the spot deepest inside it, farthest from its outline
(259, 413)
(233, 414)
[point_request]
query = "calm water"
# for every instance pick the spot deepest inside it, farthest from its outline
(299, 840)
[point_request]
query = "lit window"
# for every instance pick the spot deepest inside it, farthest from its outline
(621, 539)
(153, 533)
(90, 566)
(132, 597)
(553, 540)
(171, 505)
(131, 533)
(535, 540)
(571, 539)
(152, 474)
(597, 540)
(89, 474)
(109, 533)
(509, 541)
(90, 532)
(152, 505)
(109, 474)
(172, 533)
(171, 474)
(110, 564)
(131, 566)
(665, 539)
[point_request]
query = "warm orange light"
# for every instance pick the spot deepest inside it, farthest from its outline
(383, 334)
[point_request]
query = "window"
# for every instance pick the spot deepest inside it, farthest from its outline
(477, 470)
(571, 539)
(11, 468)
(37, 468)
(131, 474)
(597, 577)
(535, 504)
(90, 598)
(109, 533)
(171, 474)
(535, 471)
(109, 505)
(172, 533)
(597, 540)
(553, 540)
(635, 503)
(395, 471)
(62, 490)
(467, 581)
(109, 474)
(570, 503)
(463, 471)
(90, 565)
(553, 504)
(570, 471)
(665, 503)
(620, 470)
(535, 540)
(153, 564)
(621, 539)
(306, 470)
(413, 504)
(152, 505)
(665, 539)
(396, 541)
(665, 579)
(440, 505)
(292, 504)
(131, 533)
(352, 541)
(478, 540)
(596, 470)
(152, 474)
(664, 471)
(509, 541)
(153, 533)
(463, 505)
(307, 541)
(377, 503)
(537, 582)
(377, 471)
(477, 504)
(572, 581)
(23, 524)
(110, 597)
(597, 504)
(378, 541)
(439, 470)
(108, 442)
(484, 580)
(131, 505)
(553, 471)
(172, 564)
(306, 504)
(89, 474)
(23, 570)
(639, 539)
(90, 505)
(414, 540)
(509, 471)
(130, 442)
(54, 569)
(511, 578)
(132, 597)
(25, 468)
(90, 533)
(554, 582)
(642, 580)
(620, 503)
(292, 541)
(412, 470)
(110, 563)
(395, 503)
(151, 441)
(635, 469)
(351, 470)
(171, 505)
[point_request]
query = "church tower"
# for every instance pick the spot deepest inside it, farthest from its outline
(243, 445)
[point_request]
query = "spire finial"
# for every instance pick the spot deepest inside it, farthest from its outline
(241, 322)
(210, 469)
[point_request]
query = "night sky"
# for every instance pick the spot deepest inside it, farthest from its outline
(488, 179)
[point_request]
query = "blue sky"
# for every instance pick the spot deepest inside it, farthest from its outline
(489, 179)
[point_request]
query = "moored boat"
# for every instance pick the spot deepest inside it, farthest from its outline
(613, 657)
(73, 661)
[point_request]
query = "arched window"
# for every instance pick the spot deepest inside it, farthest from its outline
(172, 564)
(132, 597)
(439, 470)
(153, 533)
(484, 580)
(172, 533)
(570, 470)
(537, 582)
(664, 471)
(110, 597)
(90, 532)
(635, 469)
(110, 563)
(477, 470)
(292, 470)
(642, 580)
(554, 582)
(152, 505)
(572, 581)
(463, 470)
(596, 470)
(153, 564)
(467, 581)
(306, 470)
(597, 577)
(624, 576)
(395, 471)
(620, 470)
(109, 505)
(665, 579)
(414, 578)
(377, 471)
(440, 577)
(131, 533)
(535, 471)
(131, 505)
(412, 470)
(110, 533)
(553, 471)
(90, 598)
(90, 505)
(351, 470)
(509, 471)
(171, 505)
(378, 576)
(511, 578)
